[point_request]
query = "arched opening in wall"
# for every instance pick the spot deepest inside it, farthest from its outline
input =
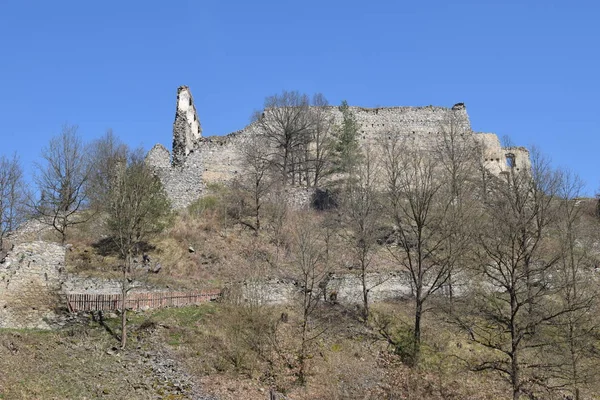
(510, 160)
(190, 101)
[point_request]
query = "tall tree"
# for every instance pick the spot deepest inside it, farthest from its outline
(572, 350)
(256, 179)
(286, 124)
(136, 211)
(321, 147)
(309, 257)
(458, 155)
(421, 210)
(12, 196)
(515, 295)
(347, 148)
(61, 180)
(105, 155)
(361, 211)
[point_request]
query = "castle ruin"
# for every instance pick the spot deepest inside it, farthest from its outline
(196, 160)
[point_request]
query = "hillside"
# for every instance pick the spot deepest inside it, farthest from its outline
(238, 348)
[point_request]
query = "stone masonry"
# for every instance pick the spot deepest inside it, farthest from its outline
(34, 285)
(197, 161)
(30, 279)
(186, 128)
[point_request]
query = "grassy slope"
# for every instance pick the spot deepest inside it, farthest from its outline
(227, 348)
(348, 361)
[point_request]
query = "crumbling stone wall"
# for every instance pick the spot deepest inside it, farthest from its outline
(183, 183)
(30, 281)
(496, 158)
(186, 128)
(342, 288)
(34, 284)
(198, 161)
(181, 172)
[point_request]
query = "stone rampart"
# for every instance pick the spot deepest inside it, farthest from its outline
(34, 286)
(197, 161)
(183, 183)
(30, 281)
(343, 288)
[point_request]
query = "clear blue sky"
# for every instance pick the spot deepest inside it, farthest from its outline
(527, 68)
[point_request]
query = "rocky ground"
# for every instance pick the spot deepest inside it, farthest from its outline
(85, 362)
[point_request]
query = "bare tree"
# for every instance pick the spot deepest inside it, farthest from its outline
(106, 154)
(572, 350)
(137, 210)
(361, 210)
(61, 181)
(310, 263)
(321, 149)
(420, 208)
(12, 196)
(286, 123)
(514, 295)
(458, 155)
(256, 179)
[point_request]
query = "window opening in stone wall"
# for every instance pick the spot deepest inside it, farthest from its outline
(190, 101)
(510, 160)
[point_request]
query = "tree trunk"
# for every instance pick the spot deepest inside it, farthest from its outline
(124, 290)
(417, 332)
(302, 358)
(257, 209)
(123, 317)
(285, 166)
(365, 296)
(514, 351)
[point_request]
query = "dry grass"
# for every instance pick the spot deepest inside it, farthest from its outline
(240, 353)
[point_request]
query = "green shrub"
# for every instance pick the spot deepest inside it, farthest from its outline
(203, 204)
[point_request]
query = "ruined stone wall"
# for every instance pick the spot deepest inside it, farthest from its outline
(196, 161)
(345, 288)
(30, 281)
(34, 284)
(417, 125)
(222, 155)
(183, 183)
(495, 157)
(186, 127)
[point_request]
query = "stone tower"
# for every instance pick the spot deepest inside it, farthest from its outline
(186, 128)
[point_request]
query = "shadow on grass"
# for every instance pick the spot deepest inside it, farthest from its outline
(99, 318)
(108, 247)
